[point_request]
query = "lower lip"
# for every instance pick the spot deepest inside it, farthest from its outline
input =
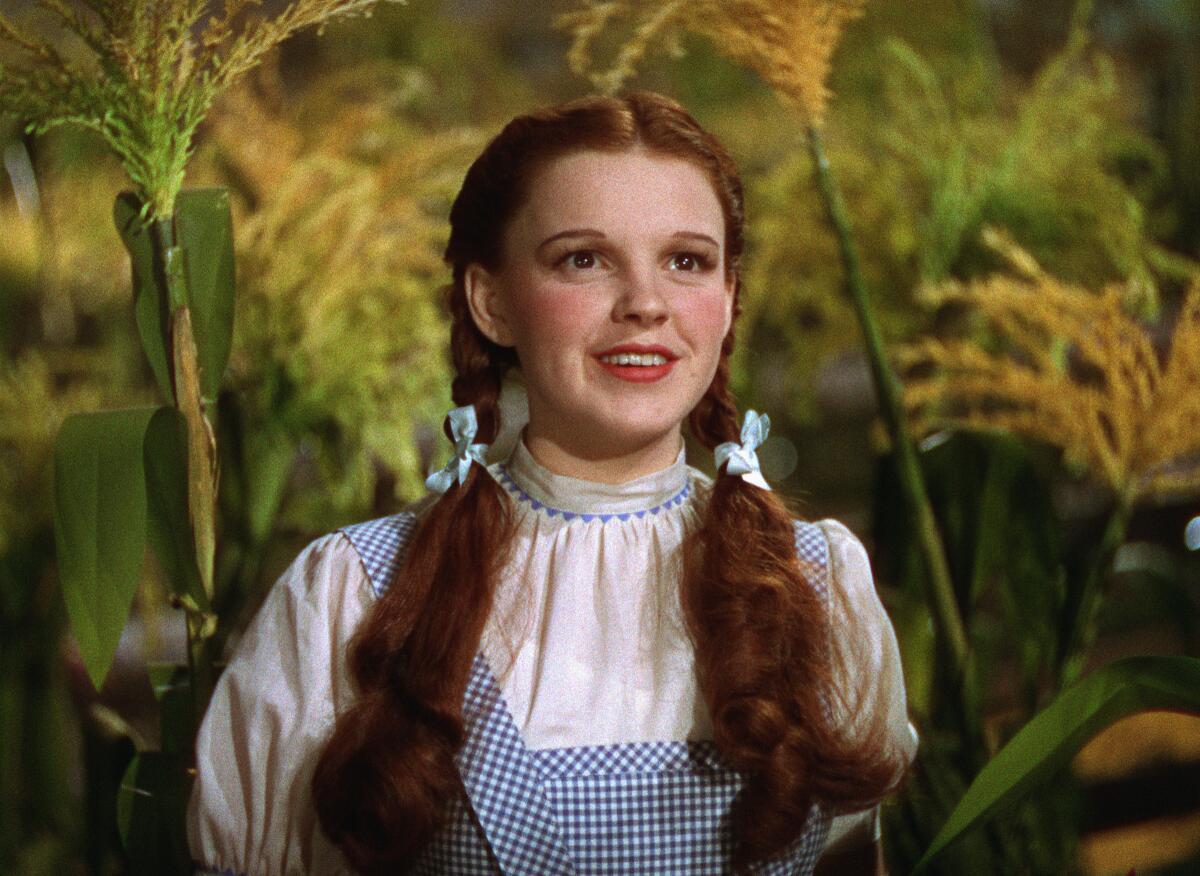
(637, 373)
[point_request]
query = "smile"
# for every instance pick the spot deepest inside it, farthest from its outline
(635, 368)
(639, 360)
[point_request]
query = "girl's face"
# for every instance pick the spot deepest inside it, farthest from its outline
(613, 290)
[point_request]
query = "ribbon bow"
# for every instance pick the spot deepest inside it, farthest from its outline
(463, 426)
(741, 459)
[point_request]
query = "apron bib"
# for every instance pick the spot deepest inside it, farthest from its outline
(630, 808)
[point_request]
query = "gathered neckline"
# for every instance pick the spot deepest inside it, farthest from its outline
(513, 487)
(568, 498)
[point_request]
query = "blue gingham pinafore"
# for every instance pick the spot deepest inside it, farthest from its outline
(628, 808)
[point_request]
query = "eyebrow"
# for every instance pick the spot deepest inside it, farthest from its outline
(570, 232)
(696, 235)
(592, 232)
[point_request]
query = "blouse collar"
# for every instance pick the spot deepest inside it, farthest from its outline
(533, 484)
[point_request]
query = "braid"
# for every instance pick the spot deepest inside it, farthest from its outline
(384, 780)
(479, 367)
(763, 656)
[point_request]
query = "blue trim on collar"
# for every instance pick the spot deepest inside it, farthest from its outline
(515, 489)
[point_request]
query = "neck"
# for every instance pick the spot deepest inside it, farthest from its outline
(603, 465)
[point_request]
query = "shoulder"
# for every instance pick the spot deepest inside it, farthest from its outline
(834, 558)
(849, 564)
(839, 536)
(324, 569)
(379, 545)
(858, 611)
(830, 544)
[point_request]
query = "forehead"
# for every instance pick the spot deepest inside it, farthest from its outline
(616, 192)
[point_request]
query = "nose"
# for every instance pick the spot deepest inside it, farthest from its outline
(640, 300)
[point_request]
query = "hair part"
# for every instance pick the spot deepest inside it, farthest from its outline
(499, 181)
(385, 778)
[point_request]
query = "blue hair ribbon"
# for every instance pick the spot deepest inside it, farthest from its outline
(741, 459)
(463, 426)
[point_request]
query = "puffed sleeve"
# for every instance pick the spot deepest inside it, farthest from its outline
(251, 811)
(871, 677)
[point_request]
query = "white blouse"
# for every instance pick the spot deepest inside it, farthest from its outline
(585, 640)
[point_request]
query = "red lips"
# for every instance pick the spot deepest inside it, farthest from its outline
(638, 373)
(642, 349)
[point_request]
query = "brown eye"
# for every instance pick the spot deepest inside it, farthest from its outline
(582, 259)
(688, 261)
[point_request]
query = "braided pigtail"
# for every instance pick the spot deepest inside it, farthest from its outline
(385, 778)
(763, 656)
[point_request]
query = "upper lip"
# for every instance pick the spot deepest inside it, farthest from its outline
(643, 349)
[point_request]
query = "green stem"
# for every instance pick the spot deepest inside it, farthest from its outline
(1083, 616)
(201, 450)
(941, 591)
(171, 256)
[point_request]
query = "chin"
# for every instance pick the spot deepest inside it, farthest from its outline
(633, 431)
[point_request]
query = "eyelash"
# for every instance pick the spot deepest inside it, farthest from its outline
(565, 261)
(703, 262)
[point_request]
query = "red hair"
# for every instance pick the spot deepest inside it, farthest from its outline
(759, 627)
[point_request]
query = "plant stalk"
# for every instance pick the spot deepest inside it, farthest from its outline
(940, 591)
(1082, 623)
(201, 451)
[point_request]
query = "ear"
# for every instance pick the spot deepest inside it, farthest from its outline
(487, 305)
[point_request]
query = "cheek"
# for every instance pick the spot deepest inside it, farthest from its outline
(704, 321)
(551, 319)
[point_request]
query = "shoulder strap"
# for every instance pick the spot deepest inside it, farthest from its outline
(381, 545)
(812, 550)
(501, 782)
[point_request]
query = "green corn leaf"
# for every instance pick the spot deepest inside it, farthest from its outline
(151, 311)
(1048, 742)
(100, 526)
(150, 806)
(172, 687)
(168, 527)
(204, 230)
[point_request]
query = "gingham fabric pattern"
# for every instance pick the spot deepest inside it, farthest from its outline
(656, 807)
(382, 544)
(461, 849)
(812, 550)
(633, 808)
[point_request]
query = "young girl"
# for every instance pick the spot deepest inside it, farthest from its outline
(588, 657)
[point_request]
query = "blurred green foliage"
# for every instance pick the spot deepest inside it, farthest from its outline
(343, 156)
(339, 236)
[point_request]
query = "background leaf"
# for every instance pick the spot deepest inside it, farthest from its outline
(149, 304)
(149, 804)
(204, 231)
(173, 690)
(204, 228)
(100, 526)
(1046, 744)
(168, 529)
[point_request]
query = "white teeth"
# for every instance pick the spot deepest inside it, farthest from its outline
(635, 359)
